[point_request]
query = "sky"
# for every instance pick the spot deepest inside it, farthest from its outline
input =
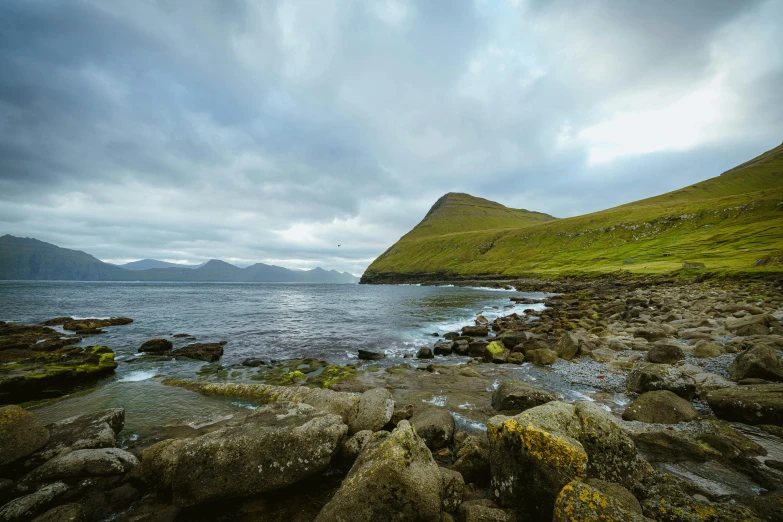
(274, 131)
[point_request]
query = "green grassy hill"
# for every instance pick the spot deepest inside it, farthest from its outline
(728, 223)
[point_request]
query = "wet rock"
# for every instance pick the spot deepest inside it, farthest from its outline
(580, 501)
(156, 346)
(567, 347)
(90, 325)
(424, 353)
(483, 511)
(28, 506)
(451, 336)
(394, 479)
(209, 352)
(443, 348)
(253, 362)
(66, 512)
(661, 407)
(452, 489)
(513, 397)
(761, 362)
(435, 426)
(372, 411)
(82, 463)
(513, 338)
(533, 343)
(544, 356)
(20, 434)
(515, 358)
(663, 353)
(475, 331)
(369, 355)
(477, 348)
(460, 347)
(472, 460)
(646, 377)
(401, 412)
(760, 404)
(495, 352)
(273, 447)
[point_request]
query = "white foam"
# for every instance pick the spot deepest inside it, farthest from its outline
(139, 375)
(436, 400)
(196, 425)
(246, 405)
(463, 423)
(466, 406)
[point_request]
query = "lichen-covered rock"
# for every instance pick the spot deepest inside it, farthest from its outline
(472, 460)
(760, 362)
(495, 352)
(759, 404)
(513, 397)
(665, 353)
(273, 447)
(452, 489)
(353, 446)
(372, 411)
(483, 511)
(542, 356)
(158, 345)
(434, 425)
(581, 502)
(617, 492)
(662, 407)
(28, 506)
(706, 349)
(65, 513)
(394, 479)
(83, 463)
(646, 377)
(20, 434)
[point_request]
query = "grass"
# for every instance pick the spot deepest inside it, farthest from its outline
(727, 223)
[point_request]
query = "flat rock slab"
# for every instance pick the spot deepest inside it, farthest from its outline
(20, 434)
(758, 404)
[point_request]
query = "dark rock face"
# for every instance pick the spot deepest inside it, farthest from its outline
(28, 506)
(82, 463)
(20, 434)
(661, 407)
(369, 355)
(663, 353)
(209, 352)
(275, 446)
(443, 347)
(475, 331)
(760, 362)
(435, 426)
(514, 397)
(567, 347)
(760, 404)
(543, 356)
(93, 325)
(424, 353)
(156, 346)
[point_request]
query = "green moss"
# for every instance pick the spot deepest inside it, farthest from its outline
(495, 348)
(331, 375)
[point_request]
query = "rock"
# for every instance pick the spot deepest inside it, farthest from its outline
(662, 407)
(618, 493)
(543, 356)
(650, 334)
(760, 404)
(451, 336)
(253, 362)
(495, 352)
(452, 489)
(475, 331)
(477, 348)
(749, 325)
(209, 352)
(401, 412)
(89, 431)
(424, 353)
(761, 362)
(578, 501)
(513, 338)
(513, 397)
(707, 382)
(352, 447)
(87, 325)
(532, 456)
(66, 512)
(567, 347)
(275, 446)
(156, 346)
(369, 355)
(603, 355)
(483, 511)
(372, 411)
(394, 479)
(28, 506)
(460, 347)
(646, 377)
(706, 349)
(435, 426)
(20, 434)
(663, 353)
(443, 348)
(532, 344)
(83, 463)
(472, 460)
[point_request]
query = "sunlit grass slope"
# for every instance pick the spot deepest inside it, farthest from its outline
(728, 223)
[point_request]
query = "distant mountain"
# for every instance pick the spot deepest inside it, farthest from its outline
(146, 264)
(31, 259)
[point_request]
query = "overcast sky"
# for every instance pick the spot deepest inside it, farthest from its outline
(273, 131)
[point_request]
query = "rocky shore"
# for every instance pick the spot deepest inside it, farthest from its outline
(680, 418)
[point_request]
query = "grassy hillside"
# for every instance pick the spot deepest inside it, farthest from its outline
(728, 223)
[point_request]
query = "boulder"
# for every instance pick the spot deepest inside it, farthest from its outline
(534, 343)
(424, 353)
(578, 501)
(452, 489)
(759, 404)
(512, 338)
(495, 352)
(477, 348)
(275, 446)
(66, 512)
(483, 511)
(707, 382)
(760, 362)
(513, 397)
(706, 349)
(156, 346)
(603, 355)
(394, 479)
(443, 348)
(651, 334)
(749, 325)
(372, 411)
(475, 331)
(460, 347)
(209, 352)
(28, 506)
(472, 460)
(435, 426)
(567, 347)
(645, 377)
(515, 358)
(662, 407)
(83, 463)
(664, 353)
(620, 494)
(369, 355)
(451, 336)
(353, 446)
(20, 434)
(543, 356)
(401, 412)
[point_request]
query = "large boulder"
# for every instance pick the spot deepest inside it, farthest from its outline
(759, 404)
(276, 446)
(475, 331)
(749, 325)
(567, 347)
(156, 346)
(760, 362)
(651, 334)
(394, 479)
(495, 352)
(483, 511)
(645, 377)
(372, 411)
(582, 502)
(28, 506)
(83, 463)
(661, 407)
(513, 397)
(472, 460)
(542, 356)
(513, 338)
(369, 355)
(665, 353)
(209, 352)
(66, 512)
(20, 433)
(435, 426)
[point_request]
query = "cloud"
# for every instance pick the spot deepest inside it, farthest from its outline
(274, 131)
